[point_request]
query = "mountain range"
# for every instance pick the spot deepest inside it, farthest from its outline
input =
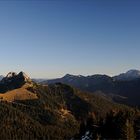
(124, 88)
(55, 111)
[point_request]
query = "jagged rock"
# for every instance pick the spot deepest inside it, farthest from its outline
(14, 81)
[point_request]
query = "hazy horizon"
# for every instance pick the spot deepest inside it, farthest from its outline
(48, 39)
(62, 75)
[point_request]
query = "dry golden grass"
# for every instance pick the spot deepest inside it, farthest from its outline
(18, 94)
(64, 113)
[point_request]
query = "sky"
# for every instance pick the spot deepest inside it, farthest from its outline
(50, 38)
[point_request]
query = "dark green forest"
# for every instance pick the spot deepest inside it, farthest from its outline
(62, 112)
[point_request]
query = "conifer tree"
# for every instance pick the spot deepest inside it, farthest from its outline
(127, 131)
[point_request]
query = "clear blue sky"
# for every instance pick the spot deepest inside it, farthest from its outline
(49, 38)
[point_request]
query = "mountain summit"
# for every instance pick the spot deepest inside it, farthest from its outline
(13, 81)
(25, 77)
(14, 77)
(129, 75)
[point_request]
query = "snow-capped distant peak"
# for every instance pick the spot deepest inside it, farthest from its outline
(72, 76)
(133, 72)
(129, 75)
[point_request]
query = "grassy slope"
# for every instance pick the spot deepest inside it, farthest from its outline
(56, 114)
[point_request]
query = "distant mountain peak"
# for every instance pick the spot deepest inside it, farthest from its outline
(133, 71)
(68, 75)
(1, 77)
(129, 75)
(71, 76)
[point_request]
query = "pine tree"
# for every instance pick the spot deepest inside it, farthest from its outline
(127, 131)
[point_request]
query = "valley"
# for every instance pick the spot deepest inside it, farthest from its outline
(60, 111)
(124, 88)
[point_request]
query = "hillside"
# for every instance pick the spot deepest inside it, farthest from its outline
(18, 94)
(56, 111)
(121, 91)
